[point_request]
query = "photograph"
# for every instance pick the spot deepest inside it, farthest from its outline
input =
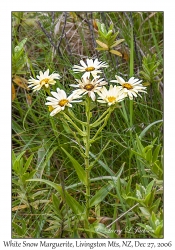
(87, 120)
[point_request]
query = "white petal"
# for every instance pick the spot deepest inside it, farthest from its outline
(38, 87)
(120, 79)
(95, 72)
(133, 92)
(101, 101)
(55, 111)
(51, 103)
(31, 85)
(81, 69)
(92, 95)
(114, 81)
(86, 75)
(61, 94)
(90, 62)
(56, 95)
(78, 67)
(83, 64)
(130, 95)
(55, 76)
(69, 105)
(96, 62)
(52, 99)
(52, 82)
(46, 73)
(76, 101)
(74, 85)
(41, 76)
(131, 80)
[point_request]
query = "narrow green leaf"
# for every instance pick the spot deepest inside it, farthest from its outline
(117, 43)
(156, 42)
(139, 145)
(57, 187)
(108, 34)
(27, 164)
(103, 29)
(13, 157)
(128, 187)
(18, 229)
(79, 170)
(146, 69)
(148, 127)
(149, 156)
(156, 205)
(16, 164)
(147, 148)
(101, 163)
(159, 231)
(156, 153)
(145, 212)
(131, 63)
(74, 204)
(55, 201)
(133, 198)
(147, 199)
(101, 194)
(27, 175)
(20, 46)
(149, 187)
(48, 156)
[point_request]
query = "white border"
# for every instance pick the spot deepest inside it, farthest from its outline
(169, 110)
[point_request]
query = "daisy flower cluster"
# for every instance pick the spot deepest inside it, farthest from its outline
(114, 94)
(90, 84)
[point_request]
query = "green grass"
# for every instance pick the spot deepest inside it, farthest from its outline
(41, 211)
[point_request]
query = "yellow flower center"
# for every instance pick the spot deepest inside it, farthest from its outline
(63, 102)
(111, 98)
(44, 81)
(89, 87)
(127, 85)
(89, 69)
(50, 108)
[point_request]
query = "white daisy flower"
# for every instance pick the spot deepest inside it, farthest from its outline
(87, 86)
(60, 101)
(131, 87)
(43, 80)
(90, 67)
(113, 95)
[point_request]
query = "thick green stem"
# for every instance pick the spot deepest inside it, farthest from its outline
(131, 101)
(87, 169)
(130, 131)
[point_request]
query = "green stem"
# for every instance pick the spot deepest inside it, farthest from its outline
(87, 169)
(111, 108)
(71, 114)
(131, 101)
(100, 118)
(130, 131)
(75, 126)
